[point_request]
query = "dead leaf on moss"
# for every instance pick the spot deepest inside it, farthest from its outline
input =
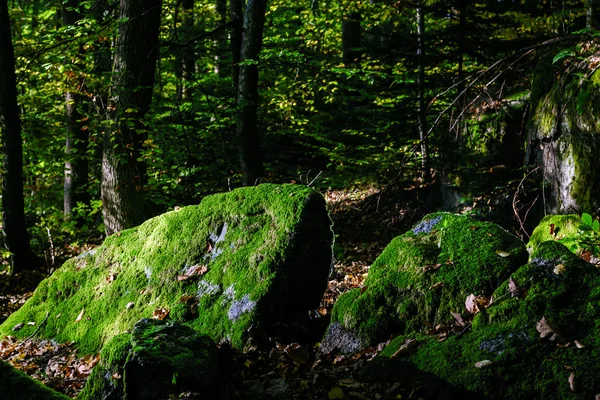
(458, 318)
(513, 288)
(31, 323)
(483, 364)
(545, 331)
(80, 316)
(579, 344)
(572, 382)
(194, 270)
(471, 304)
(130, 305)
(18, 326)
(559, 269)
(431, 267)
(160, 313)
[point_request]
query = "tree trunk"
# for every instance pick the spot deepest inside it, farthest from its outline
(351, 52)
(13, 202)
(247, 100)
(221, 41)
(188, 58)
(422, 123)
(76, 164)
(591, 14)
(123, 175)
(236, 13)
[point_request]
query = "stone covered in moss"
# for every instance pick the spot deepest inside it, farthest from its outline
(159, 360)
(230, 267)
(422, 277)
(563, 135)
(16, 385)
(564, 228)
(533, 344)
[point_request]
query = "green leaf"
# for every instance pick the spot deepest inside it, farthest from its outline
(596, 225)
(586, 219)
(562, 54)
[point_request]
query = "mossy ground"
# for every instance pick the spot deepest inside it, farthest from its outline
(555, 285)
(564, 228)
(247, 239)
(426, 274)
(16, 385)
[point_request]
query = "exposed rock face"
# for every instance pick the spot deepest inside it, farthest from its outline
(564, 137)
(16, 385)
(159, 360)
(542, 343)
(230, 267)
(421, 278)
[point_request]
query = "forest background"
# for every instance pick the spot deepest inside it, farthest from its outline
(128, 109)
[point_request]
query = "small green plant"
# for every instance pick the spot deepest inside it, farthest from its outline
(589, 238)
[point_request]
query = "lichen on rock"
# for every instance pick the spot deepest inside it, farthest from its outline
(422, 277)
(230, 267)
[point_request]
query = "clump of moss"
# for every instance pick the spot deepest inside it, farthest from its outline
(426, 274)
(16, 385)
(555, 286)
(564, 228)
(229, 267)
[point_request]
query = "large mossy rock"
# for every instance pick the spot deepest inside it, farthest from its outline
(16, 385)
(532, 345)
(230, 267)
(563, 136)
(421, 278)
(157, 360)
(563, 228)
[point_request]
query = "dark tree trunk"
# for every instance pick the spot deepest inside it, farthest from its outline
(247, 99)
(351, 51)
(422, 123)
(592, 21)
(188, 56)
(221, 41)
(123, 175)
(13, 203)
(76, 164)
(236, 13)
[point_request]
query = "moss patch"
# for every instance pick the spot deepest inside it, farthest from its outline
(229, 267)
(555, 285)
(16, 385)
(423, 276)
(555, 227)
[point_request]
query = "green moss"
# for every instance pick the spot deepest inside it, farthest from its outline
(426, 274)
(253, 242)
(16, 385)
(565, 230)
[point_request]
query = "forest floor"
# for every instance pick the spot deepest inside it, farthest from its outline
(365, 220)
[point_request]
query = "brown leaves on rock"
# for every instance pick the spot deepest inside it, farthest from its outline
(194, 270)
(513, 289)
(572, 382)
(80, 316)
(545, 331)
(160, 313)
(474, 304)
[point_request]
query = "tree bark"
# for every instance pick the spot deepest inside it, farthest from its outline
(13, 202)
(188, 58)
(76, 164)
(592, 21)
(236, 13)
(123, 175)
(247, 100)
(422, 123)
(221, 41)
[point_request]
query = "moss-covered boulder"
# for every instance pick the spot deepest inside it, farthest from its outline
(16, 385)
(563, 228)
(422, 277)
(540, 338)
(563, 134)
(230, 267)
(157, 360)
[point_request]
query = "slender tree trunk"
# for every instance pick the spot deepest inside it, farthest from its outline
(221, 41)
(247, 100)
(123, 175)
(76, 164)
(592, 21)
(13, 202)
(236, 13)
(422, 123)
(351, 32)
(188, 58)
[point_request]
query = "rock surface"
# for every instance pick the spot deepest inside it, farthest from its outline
(157, 360)
(422, 278)
(230, 267)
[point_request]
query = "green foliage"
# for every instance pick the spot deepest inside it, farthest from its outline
(588, 237)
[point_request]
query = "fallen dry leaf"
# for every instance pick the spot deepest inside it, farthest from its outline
(513, 288)
(160, 313)
(471, 304)
(18, 326)
(572, 382)
(559, 269)
(31, 323)
(80, 316)
(579, 344)
(545, 331)
(483, 364)
(194, 270)
(130, 305)
(458, 318)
